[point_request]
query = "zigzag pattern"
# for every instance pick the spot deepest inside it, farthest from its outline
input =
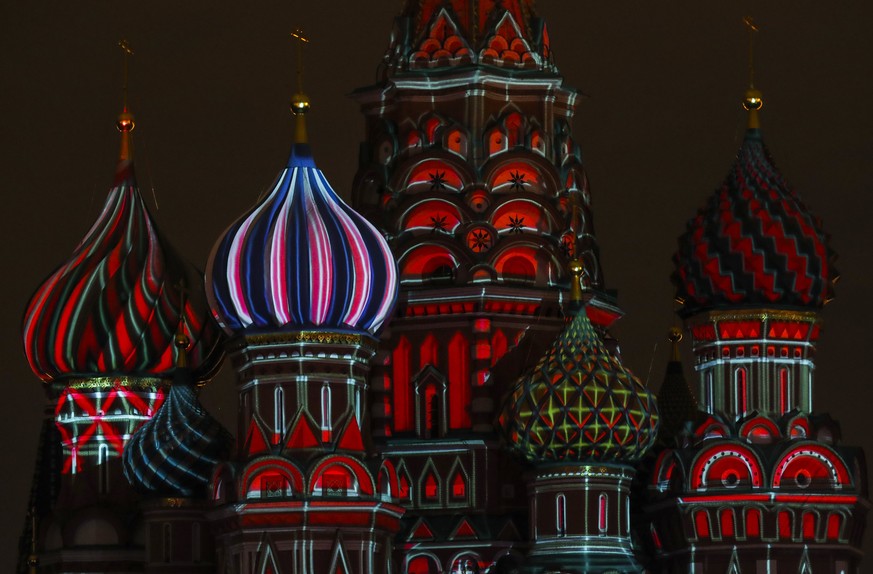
(754, 243)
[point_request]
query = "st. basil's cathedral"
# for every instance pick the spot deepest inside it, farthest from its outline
(427, 378)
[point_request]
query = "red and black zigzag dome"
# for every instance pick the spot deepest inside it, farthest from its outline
(113, 308)
(754, 243)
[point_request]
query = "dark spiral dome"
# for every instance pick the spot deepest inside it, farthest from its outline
(114, 306)
(754, 243)
(174, 452)
(580, 404)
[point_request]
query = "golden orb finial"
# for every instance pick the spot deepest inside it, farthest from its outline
(752, 100)
(125, 122)
(300, 101)
(675, 336)
(576, 268)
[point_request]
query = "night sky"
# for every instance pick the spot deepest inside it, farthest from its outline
(659, 124)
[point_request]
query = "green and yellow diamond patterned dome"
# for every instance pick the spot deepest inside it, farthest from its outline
(580, 404)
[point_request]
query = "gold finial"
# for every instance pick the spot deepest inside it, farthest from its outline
(752, 101)
(125, 123)
(675, 337)
(299, 102)
(182, 340)
(577, 268)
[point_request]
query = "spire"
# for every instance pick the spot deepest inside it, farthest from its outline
(675, 399)
(125, 123)
(182, 340)
(300, 102)
(752, 101)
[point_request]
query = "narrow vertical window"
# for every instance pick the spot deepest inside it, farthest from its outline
(784, 390)
(601, 513)
(278, 414)
(325, 412)
(167, 541)
(561, 515)
(709, 391)
(195, 542)
(400, 381)
(103, 469)
(740, 390)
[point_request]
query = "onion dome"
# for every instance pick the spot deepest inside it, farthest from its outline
(301, 258)
(173, 453)
(579, 404)
(113, 307)
(754, 243)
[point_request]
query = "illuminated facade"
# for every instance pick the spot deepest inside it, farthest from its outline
(427, 382)
(756, 482)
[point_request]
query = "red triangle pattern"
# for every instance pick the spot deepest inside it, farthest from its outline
(421, 532)
(351, 439)
(255, 441)
(302, 435)
(465, 530)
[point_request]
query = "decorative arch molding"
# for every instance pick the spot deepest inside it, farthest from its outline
(431, 418)
(437, 171)
(520, 259)
(760, 430)
(422, 563)
(387, 483)
(524, 213)
(454, 496)
(430, 486)
(465, 562)
(726, 465)
(341, 473)
(811, 464)
(404, 483)
(270, 476)
(436, 260)
(668, 474)
(432, 213)
(536, 169)
(221, 484)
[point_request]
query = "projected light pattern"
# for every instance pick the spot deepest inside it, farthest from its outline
(97, 417)
(754, 243)
(112, 308)
(580, 404)
(302, 258)
(173, 453)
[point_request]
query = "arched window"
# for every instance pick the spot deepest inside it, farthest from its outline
(103, 468)
(561, 515)
(459, 382)
(602, 509)
(727, 523)
(400, 381)
(278, 414)
(753, 523)
(431, 487)
(740, 392)
(784, 390)
(701, 524)
(459, 486)
(167, 540)
(709, 391)
(325, 412)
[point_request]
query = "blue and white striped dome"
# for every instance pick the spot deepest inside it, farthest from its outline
(301, 259)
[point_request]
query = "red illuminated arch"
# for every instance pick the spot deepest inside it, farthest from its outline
(331, 471)
(428, 262)
(434, 175)
(810, 464)
(270, 469)
(760, 430)
(517, 177)
(520, 216)
(726, 465)
(520, 262)
(423, 564)
(432, 215)
(388, 484)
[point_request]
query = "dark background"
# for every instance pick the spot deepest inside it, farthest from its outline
(210, 84)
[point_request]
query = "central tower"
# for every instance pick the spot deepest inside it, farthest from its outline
(470, 170)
